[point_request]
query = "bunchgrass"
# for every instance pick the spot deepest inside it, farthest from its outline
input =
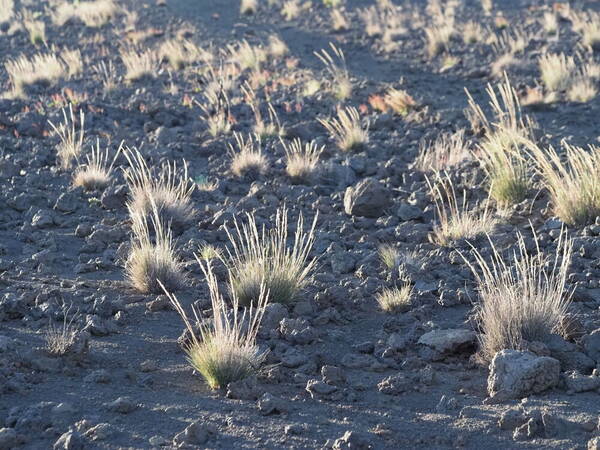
(223, 349)
(247, 158)
(264, 257)
(573, 181)
(557, 70)
(152, 262)
(301, 160)
(455, 218)
(347, 130)
(395, 299)
(71, 133)
(335, 64)
(446, 151)
(522, 295)
(42, 68)
(168, 190)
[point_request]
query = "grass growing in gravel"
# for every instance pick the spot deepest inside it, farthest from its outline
(557, 70)
(396, 299)
(140, 64)
(500, 150)
(247, 158)
(60, 338)
(71, 133)
(447, 151)
(522, 295)
(169, 190)
(45, 68)
(301, 160)
(96, 172)
(455, 220)
(263, 257)
(573, 181)
(347, 129)
(225, 350)
(152, 263)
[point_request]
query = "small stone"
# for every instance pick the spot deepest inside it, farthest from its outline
(449, 341)
(580, 383)
(246, 389)
(269, 404)
(148, 366)
(352, 440)
(8, 438)
(395, 384)
(368, 198)
(317, 387)
(511, 419)
(123, 405)
(100, 432)
(194, 434)
(71, 440)
(98, 376)
(332, 375)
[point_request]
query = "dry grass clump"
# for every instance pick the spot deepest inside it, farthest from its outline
(582, 89)
(277, 47)
(500, 154)
(336, 67)
(44, 68)
(182, 53)
(338, 20)
(7, 10)
(261, 259)
(263, 128)
(169, 191)
(550, 22)
(455, 220)
(140, 64)
(396, 299)
(389, 256)
(301, 160)
(226, 349)
(60, 339)
(588, 26)
(290, 9)
(248, 7)
(94, 13)
(108, 75)
(347, 129)
(71, 139)
(216, 111)
(557, 70)
(152, 263)
(247, 56)
(573, 182)
(34, 27)
(400, 101)
(438, 38)
(247, 158)
(473, 32)
(522, 296)
(72, 59)
(96, 172)
(448, 150)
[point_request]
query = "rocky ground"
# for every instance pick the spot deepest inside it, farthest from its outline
(340, 373)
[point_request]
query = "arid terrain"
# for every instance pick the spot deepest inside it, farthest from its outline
(345, 224)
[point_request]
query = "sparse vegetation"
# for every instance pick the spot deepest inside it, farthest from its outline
(396, 299)
(226, 350)
(96, 172)
(302, 160)
(71, 133)
(263, 257)
(247, 158)
(448, 150)
(522, 297)
(44, 68)
(341, 85)
(347, 130)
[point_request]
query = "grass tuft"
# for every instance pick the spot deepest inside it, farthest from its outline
(522, 296)
(71, 139)
(396, 299)
(264, 257)
(347, 129)
(301, 160)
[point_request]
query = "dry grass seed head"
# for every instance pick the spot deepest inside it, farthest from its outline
(225, 350)
(169, 191)
(247, 158)
(290, 9)
(216, 111)
(588, 26)
(180, 53)
(347, 129)
(72, 59)
(152, 263)
(448, 150)
(71, 139)
(248, 7)
(338, 20)
(396, 299)
(582, 89)
(301, 159)
(7, 10)
(522, 297)
(277, 47)
(96, 172)
(261, 257)
(455, 220)
(34, 27)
